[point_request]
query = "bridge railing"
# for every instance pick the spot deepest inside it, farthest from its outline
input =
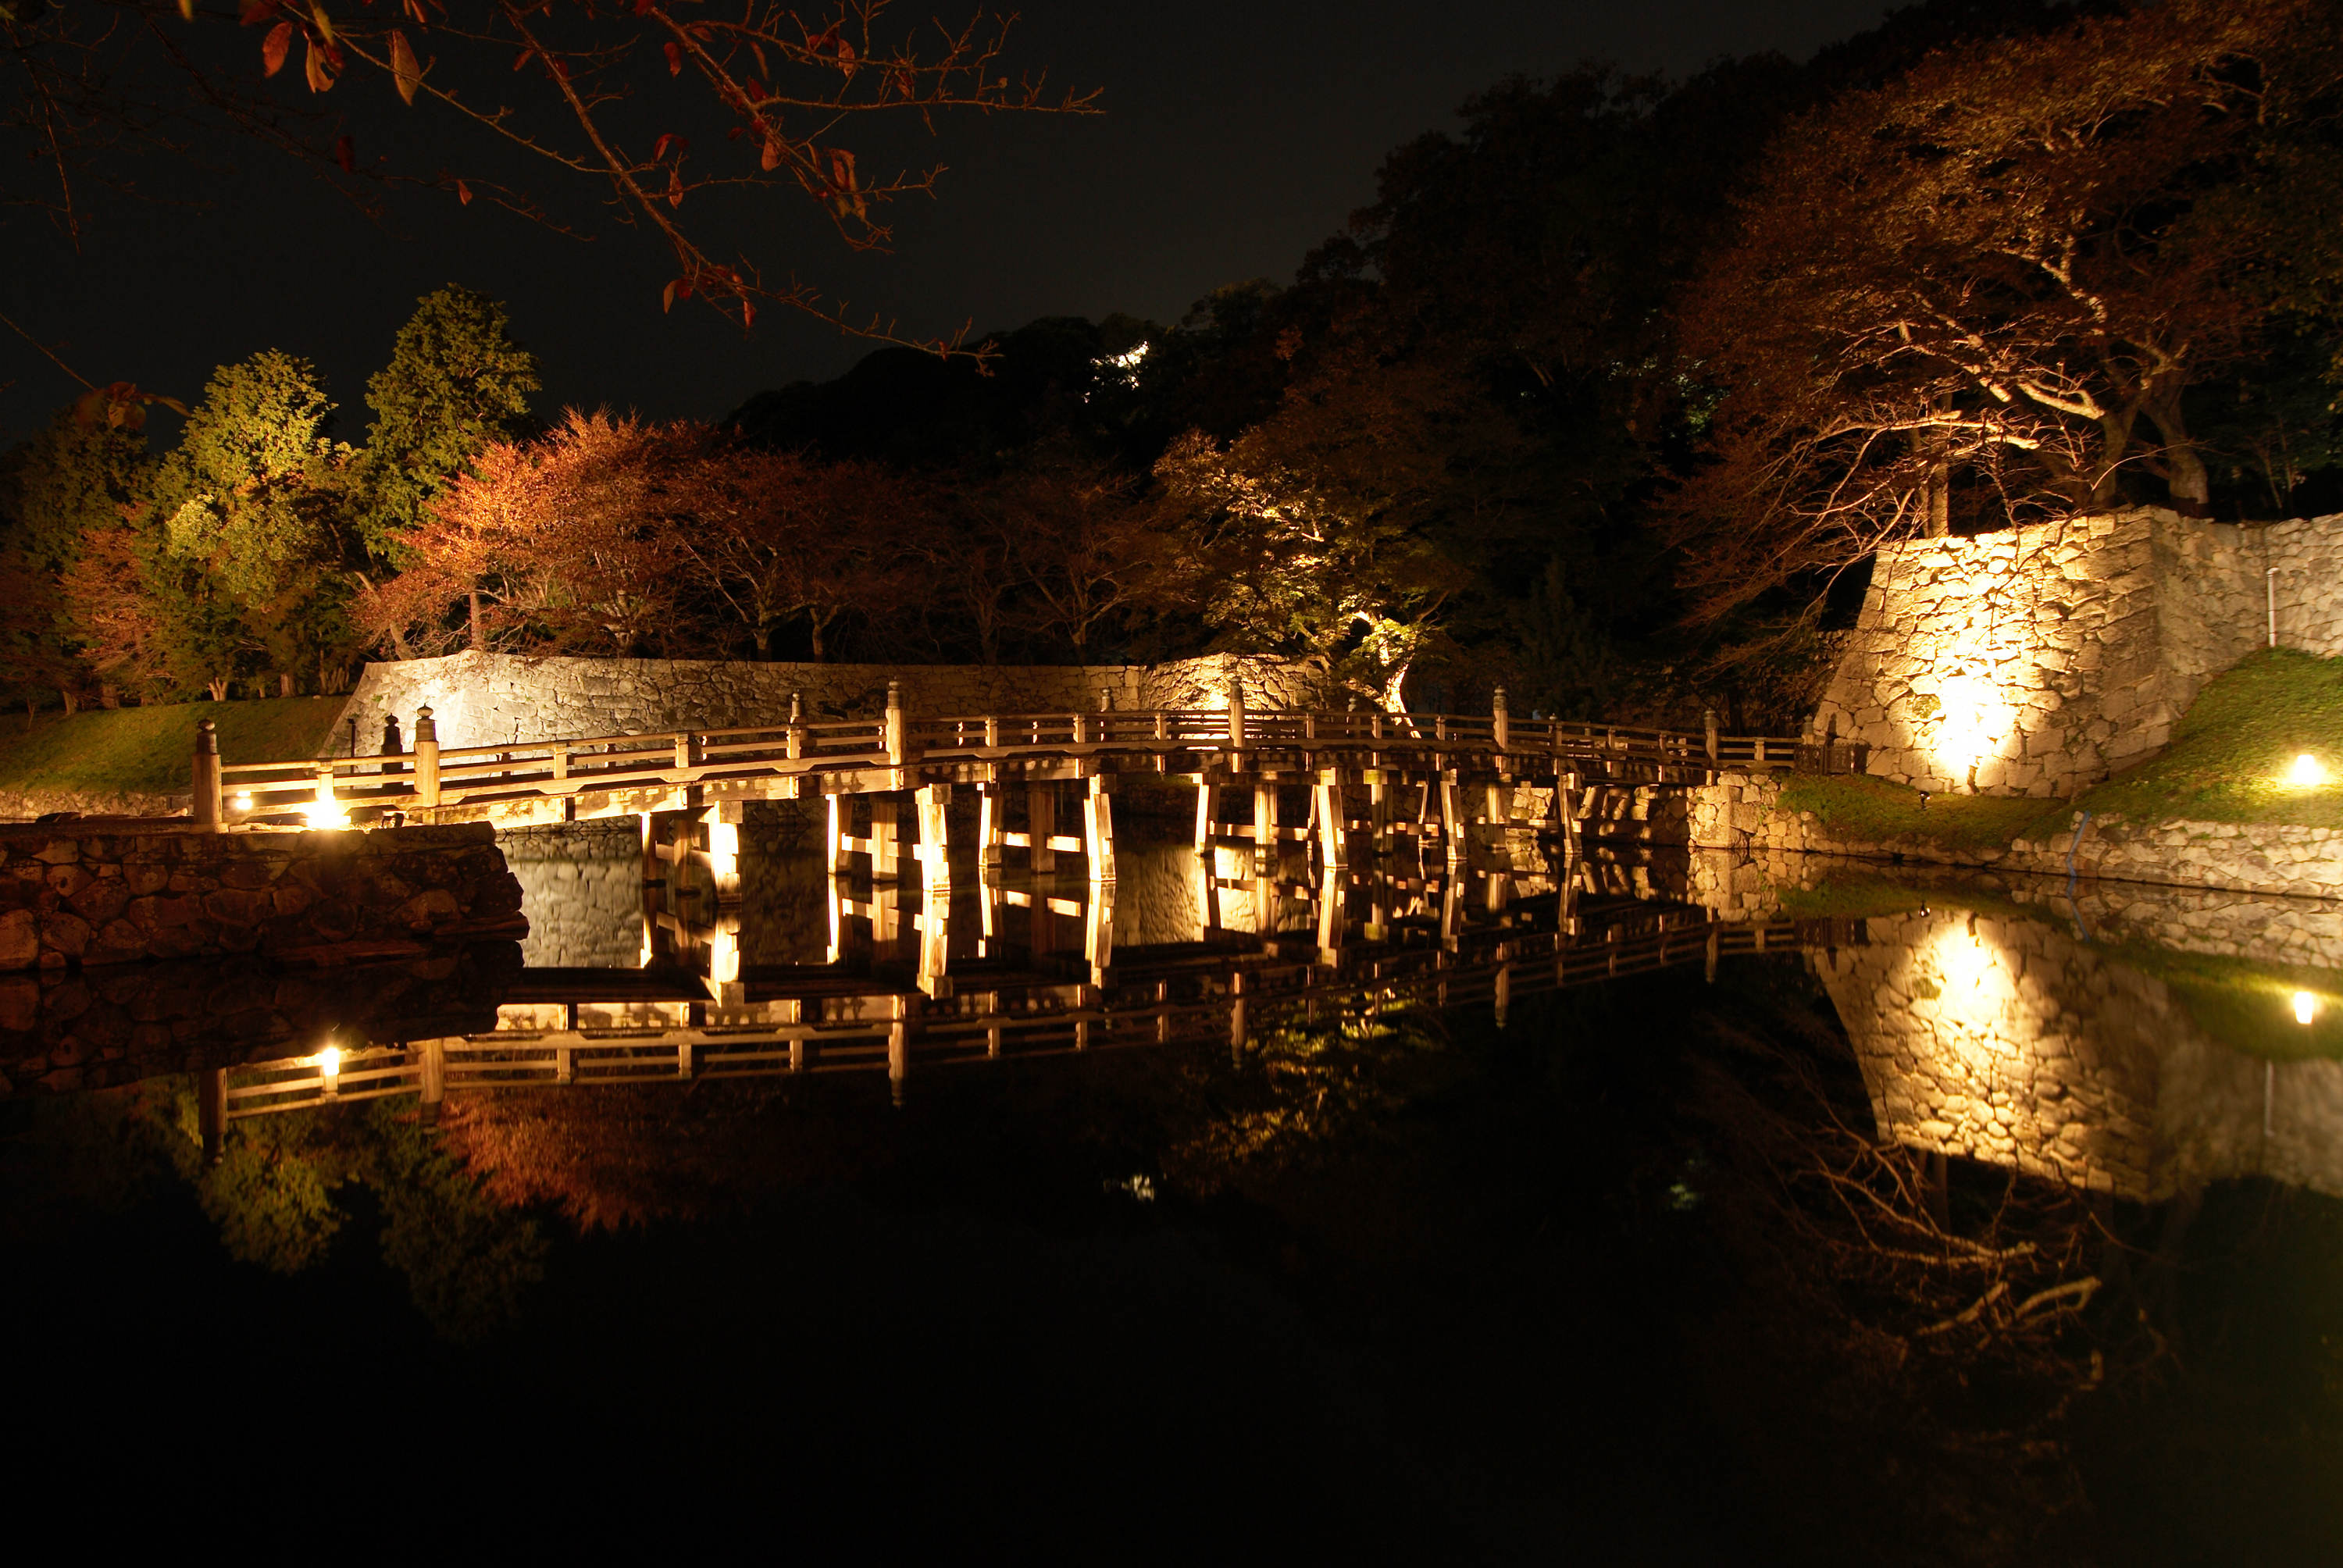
(432, 776)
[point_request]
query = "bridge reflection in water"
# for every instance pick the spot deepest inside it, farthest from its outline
(810, 972)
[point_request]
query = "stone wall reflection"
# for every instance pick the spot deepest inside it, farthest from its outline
(2023, 1043)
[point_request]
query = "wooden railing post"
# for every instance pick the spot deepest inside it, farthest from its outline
(898, 750)
(427, 758)
(1500, 722)
(796, 734)
(207, 808)
(1236, 715)
(1708, 723)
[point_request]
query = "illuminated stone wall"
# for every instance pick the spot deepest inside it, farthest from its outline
(2039, 660)
(482, 699)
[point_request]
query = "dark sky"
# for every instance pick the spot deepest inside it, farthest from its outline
(1236, 135)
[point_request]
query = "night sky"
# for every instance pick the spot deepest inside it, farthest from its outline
(1235, 137)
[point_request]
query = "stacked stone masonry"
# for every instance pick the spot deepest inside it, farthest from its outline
(70, 897)
(486, 698)
(2039, 660)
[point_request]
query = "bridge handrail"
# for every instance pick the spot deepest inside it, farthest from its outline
(804, 747)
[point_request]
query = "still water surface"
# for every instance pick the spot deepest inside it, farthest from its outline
(1968, 1221)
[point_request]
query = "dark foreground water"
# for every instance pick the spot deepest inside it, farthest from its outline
(1662, 1271)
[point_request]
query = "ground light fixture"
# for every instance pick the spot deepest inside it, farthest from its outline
(329, 1069)
(243, 800)
(2306, 771)
(2306, 1006)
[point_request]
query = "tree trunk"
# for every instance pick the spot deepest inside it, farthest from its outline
(66, 692)
(218, 687)
(2185, 477)
(1937, 444)
(819, 656)
(479, 643)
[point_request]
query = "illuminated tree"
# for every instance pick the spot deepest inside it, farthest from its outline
(563, 545)
(455, 382)
(254, 497)
(769, 537)
(1315, 532)
(2001, 273)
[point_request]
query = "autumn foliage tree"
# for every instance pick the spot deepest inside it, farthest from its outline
(565, 544)
(1992, 284)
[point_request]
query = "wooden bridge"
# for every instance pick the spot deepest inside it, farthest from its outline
(889, 780)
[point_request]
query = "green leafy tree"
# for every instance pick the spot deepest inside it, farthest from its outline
(254, 497)
(455, 383)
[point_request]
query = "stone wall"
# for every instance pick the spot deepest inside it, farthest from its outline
(2039, 660)
(483, 698)
(2267, 858)
(78, 898)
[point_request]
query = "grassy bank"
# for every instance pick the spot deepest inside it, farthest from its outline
(2230, 754)
(145, 750)
(1877, 811)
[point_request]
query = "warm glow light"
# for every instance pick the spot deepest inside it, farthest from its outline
(2307, 770)
(243, 802)
(1972, 722)
(2306, 1006)
(328, 812)
(329, 1061)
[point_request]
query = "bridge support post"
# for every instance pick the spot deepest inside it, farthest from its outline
(1331, 921)
(934, 853)
(1454, 828)
(1041, 819)
(1333, 808)
(1097, 830)
(1208, 822)
(1098, 931)
(988, 803)
(1237, 1018)
(899, 1044)
(1265, 839)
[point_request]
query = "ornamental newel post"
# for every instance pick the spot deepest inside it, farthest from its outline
(1708, 722)
(1500, 722)
(1236, 713)
(427, 758)
(797, 725)
(893, 735)
(206, 807)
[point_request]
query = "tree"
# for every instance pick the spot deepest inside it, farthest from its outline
(2000, 275)
(771, 537)
(254, 496)
(564, 545)
(779, 99)
(1316, 532)
(455, 382)
(1076, 549)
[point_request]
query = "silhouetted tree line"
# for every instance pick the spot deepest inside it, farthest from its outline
(1607, 398)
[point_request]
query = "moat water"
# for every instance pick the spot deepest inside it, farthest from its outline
(1969, 1221)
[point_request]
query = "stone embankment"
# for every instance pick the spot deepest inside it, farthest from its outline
(486, 698)
(118, 892)
(2037, 660)
(2265, 858)
(25, 805)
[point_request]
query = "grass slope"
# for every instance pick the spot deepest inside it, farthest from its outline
(145, 750)
(2229, 754)
(1878, 811)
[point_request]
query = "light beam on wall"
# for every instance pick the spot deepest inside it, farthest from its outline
(1972, 724)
